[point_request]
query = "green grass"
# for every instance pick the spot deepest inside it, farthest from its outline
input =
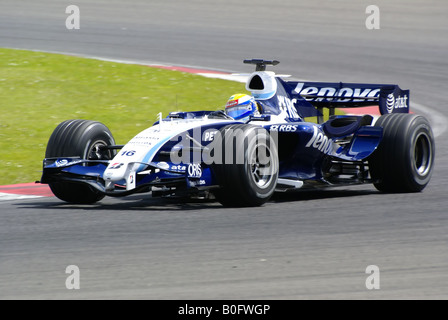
(40, 90)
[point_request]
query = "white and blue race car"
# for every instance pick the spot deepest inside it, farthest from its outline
(245, 153)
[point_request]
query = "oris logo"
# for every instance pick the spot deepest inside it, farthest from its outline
(395, 103)
(194, 170)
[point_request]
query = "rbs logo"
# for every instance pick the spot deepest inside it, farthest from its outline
(194, 170)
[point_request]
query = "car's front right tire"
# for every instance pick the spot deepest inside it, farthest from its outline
(83, 139)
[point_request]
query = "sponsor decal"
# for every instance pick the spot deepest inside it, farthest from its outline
(61, 162)
(390, 103)
(194, 170)
(231, 103)
(65, 162)
(209, 135)
(194, 183)
(163, 165)
(116, 166)
(396, 103)
(283, 128)
(288, 105)
(131, 183)
(320, 142)
(144, 141)
(178, 168)
(343, 94)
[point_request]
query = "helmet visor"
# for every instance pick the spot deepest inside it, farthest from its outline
(239, 112)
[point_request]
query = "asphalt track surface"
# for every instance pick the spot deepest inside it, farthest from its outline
(310, 245)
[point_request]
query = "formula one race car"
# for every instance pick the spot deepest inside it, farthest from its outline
(258, 145)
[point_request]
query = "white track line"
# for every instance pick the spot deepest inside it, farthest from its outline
(11, 197)
(438, 120)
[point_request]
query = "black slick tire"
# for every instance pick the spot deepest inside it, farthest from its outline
(248, 173)
(404, 160)
(78, 138)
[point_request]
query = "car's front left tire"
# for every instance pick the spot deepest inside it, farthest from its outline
(248, 173)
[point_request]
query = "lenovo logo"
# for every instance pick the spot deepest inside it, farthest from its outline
(343, 94)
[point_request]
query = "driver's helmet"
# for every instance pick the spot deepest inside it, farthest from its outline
(241, 106)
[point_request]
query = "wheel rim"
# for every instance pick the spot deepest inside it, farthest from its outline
(262, 168)
(95, 151)
(422, 154)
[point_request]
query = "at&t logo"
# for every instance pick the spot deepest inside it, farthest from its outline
(395, 103)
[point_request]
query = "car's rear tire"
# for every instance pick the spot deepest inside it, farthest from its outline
(404, 159)
(79, 138)
(251, 176)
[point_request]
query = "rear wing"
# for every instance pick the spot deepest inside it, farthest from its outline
(388, 98)
(307, 99)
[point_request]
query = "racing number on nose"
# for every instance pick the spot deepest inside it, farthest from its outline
(128, 153)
